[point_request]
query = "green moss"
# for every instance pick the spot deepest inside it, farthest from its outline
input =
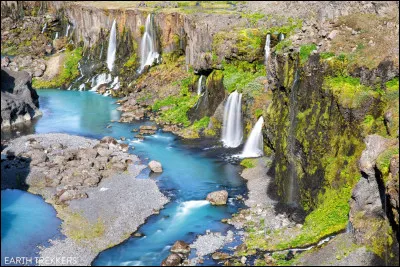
(141, 29)
(68, 71)
(79, 228)
(349, 91)
(305, 51)
(131, 62)
(201, 124)
(288, 28)
(326, 55)
(249, 163)
(253, 18)
(383, 161)
(282, 45)
(240, 76)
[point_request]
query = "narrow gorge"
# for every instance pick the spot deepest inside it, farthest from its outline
(200, 133)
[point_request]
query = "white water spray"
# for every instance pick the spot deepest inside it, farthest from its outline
(67, 31)
(232, 130)
(112, 46)
(148, 53)
(200, 85)
(44, 27)
(254, 145)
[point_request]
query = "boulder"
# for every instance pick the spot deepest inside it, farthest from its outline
(218, 197)
(19, 102)
(172, 260)
(147, 129)
(155, 166)
(71, 194)
(220, 256)
(180, 247)
(108, 140)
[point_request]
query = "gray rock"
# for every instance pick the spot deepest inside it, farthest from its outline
(19, 102)
(332, 34)
(218, 197)
(172, 260)
(180, 247)
(155, 166)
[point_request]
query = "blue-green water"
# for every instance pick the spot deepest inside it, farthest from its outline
(191, 171)
(26, 221)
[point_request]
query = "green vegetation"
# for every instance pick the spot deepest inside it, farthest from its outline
(67, 73)
(201, 124)
(249, 163)
(178, 106)
(349, 91)
(131, 62)
(253, 18)
(241, 76)
(383, 161)
(305, 52)
(282, 45)
(287, 29)
(79, 228)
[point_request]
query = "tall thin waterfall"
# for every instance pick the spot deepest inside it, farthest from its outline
(56, 37)
(67, 31)
(200, 85)
(232, 130)
(44, 27)
(281, 37)
(254, 144)
(267, 47)
(148, 53)
(112, 46)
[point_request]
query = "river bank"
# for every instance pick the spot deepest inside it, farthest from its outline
(100, 215)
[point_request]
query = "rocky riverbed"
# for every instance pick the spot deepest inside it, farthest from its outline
(90, 183)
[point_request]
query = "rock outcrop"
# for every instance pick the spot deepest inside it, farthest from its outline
(155, 166)
(19, 102)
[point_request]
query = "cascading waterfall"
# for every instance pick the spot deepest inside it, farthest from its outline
(67, 31)
(44, 27)
(292, 186)
(267, 49)
(148, 51)
(100, 80)
(232, 130)
(254, 144)
(112, 46)
(200, 85)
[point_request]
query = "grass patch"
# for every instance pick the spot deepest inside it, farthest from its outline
(241, 75)
(349, 91)
(248, 163)
(79, 228)
(68, 72)
(305, 51)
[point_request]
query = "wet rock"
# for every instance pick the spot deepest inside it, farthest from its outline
(108, 140)
(221, 256)
(218, 197)
(172, 260)
(155, 166)
(180, 247)
(147, 129)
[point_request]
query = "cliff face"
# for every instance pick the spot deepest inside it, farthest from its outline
(19, 102)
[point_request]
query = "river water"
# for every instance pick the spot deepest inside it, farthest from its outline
(191, 169)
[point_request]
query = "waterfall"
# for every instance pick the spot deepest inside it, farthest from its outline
(232, 131)
(200, 85)
(56, 36)
(254, 144)
(148, 53)
(101, 50)
(267, 49)
(100, 80)
(281, 37)
(44, 27)
(112, 46)
(67, 31)
(292, 186)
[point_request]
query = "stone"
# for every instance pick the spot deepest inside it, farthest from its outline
(180, 247)
(19, 101)
(332, 34)
(220, 256)
(155, 166)
(71, 194)
(218, 197)
(147, 129)
(172, 260)
(108, 140)
(243, 260)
